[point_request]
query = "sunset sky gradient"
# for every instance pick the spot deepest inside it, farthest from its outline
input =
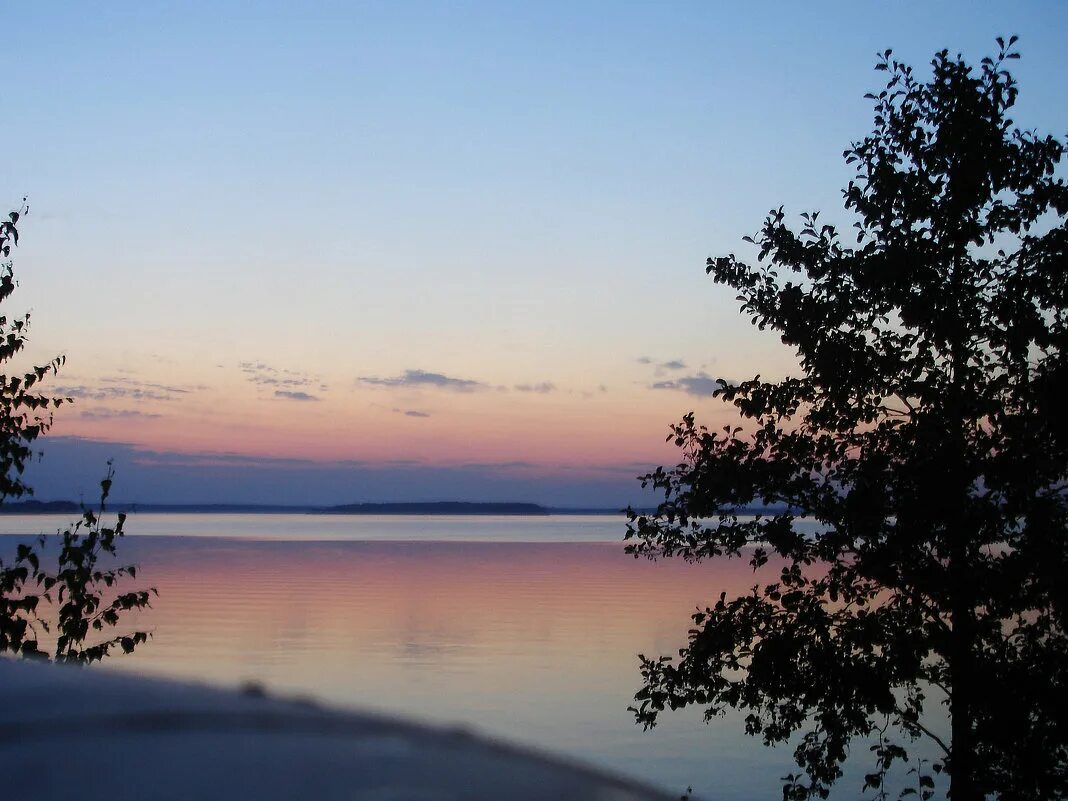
(425, 250)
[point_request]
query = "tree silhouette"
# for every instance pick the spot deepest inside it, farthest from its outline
(80, 597)
(926, 437)
(24, 413)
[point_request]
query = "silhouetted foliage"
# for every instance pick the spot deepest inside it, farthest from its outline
(24, 413)
(81, 595)
(926, 437)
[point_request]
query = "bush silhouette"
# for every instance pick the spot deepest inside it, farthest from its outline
(78, 603)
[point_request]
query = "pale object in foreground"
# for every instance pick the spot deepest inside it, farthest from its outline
(95, 735)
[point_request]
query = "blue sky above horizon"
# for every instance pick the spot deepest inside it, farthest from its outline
(438, 234)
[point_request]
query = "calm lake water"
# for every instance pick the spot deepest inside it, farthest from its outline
(523, 628)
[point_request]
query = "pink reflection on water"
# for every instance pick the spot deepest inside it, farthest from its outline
(536, 642)
(329, 618)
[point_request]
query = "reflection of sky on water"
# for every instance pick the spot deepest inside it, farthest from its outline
(452, 528)
(533, 641)
(479, 528)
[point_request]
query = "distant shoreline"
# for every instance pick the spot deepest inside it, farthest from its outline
(429, 508)
(437, 508)
(413, 508)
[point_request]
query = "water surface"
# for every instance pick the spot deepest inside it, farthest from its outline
(524, 628)
(297, 526)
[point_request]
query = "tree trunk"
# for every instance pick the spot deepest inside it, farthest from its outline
(963, 784)
(962, 762)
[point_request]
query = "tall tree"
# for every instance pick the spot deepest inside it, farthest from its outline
(76, 604)
(926, 437)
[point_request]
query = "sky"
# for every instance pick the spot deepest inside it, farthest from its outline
(340, 252)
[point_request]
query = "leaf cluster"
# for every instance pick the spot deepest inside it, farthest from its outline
(77, 604)
(24, 412)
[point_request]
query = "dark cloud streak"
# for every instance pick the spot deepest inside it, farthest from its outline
(111, 388)
(423, 378)
(700, 385)
(287, 394)
(412, 413)
(266, 376)
(101, 413)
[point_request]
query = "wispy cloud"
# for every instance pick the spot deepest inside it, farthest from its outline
(423, 378)
(288, 394)
(267, 376)
(115, 387)
(661, 367)
(543, 388)
(101, 413)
